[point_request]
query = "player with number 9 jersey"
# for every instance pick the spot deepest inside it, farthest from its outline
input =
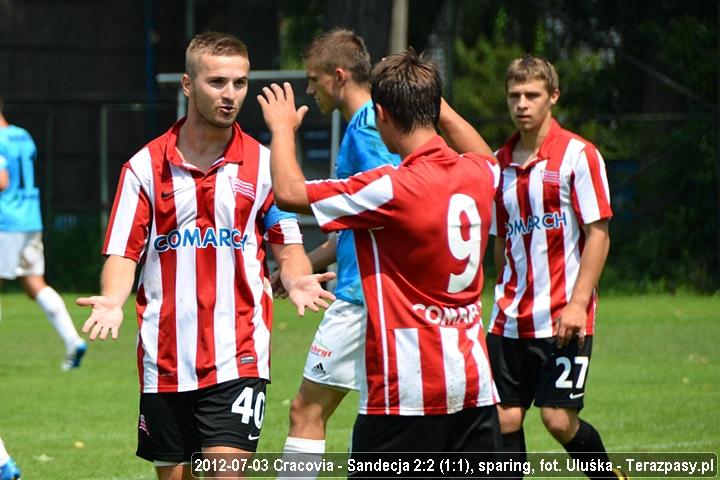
(420, 232)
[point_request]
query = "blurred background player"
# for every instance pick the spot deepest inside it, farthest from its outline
(8, 468)
(195, 206)
(21, 235)
(420, 230)
(552, 212)
(338, 71)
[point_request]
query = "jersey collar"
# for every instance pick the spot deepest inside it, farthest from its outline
(233, 150)
(434, 148)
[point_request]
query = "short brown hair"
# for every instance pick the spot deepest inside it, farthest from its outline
(409, 88)
(212, 43)
(529, 68)
(340, 48)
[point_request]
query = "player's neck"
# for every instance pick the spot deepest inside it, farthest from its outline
(201, 144)
(3, 122)
(531, 140)
(354, 97)
(406, 144)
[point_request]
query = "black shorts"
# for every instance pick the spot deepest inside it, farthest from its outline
(173, 426)
(535, 369)
(470, 430)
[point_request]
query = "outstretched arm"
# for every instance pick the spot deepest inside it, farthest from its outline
(320, 258)
(116, 281)
(303, 288)
(458, 132)
(282, 119)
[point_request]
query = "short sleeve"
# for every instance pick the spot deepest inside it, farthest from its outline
(281, 227)
(360, 202)
(129, 224)
(590, 190)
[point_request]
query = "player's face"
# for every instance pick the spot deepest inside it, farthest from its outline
(219, 88)
(530, 104)
(323, 88)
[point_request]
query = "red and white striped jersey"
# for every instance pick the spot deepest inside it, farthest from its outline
(540, 210)
(420, 231)
(204, 304)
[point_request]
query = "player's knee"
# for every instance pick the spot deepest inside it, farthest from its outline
(511, 418)
(560, 423)
(302, 413)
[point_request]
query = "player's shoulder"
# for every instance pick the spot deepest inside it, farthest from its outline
(573, 140)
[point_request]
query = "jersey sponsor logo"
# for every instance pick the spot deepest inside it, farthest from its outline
(548, 221)
(194, 237)
(320, 350)
(445, 316)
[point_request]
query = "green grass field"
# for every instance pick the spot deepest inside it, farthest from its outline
(654, 385)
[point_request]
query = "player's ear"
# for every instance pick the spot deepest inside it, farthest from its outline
(341, 75)
(554, 96)
(186, 84)
(380, 113)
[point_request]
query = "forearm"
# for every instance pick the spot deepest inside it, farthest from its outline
(287, 178)
(324, 255)
(4, 180)
(292, 263)
(117, 278)
(459, 133)
(592, 262)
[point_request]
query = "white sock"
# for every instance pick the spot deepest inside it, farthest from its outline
(4, 455)
(302, 450)
(56, 312)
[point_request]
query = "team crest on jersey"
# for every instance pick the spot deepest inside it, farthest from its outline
(551, 177)
(245, 189)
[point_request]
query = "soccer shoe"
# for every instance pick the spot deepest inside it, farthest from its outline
(74, 357)
(9, 471)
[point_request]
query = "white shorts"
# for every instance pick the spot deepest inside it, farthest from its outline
(22, 255)
(337, 354)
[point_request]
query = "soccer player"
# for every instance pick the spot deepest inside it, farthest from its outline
(8, 468)
(551, 226)
(420, 230)
(338, 71)
(195, 206)
(21, 235)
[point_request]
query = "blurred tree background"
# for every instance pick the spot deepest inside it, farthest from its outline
(639, 79)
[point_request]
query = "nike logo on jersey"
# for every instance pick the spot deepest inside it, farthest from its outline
(169, 193)
(574, 396)
(252, 437)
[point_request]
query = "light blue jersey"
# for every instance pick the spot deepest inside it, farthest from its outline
(20, 201)
(361, 150)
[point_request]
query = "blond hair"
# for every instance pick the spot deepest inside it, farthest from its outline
(529, 68)
(212, 43)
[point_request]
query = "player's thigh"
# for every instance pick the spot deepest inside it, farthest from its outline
(337, 353)
(230, 414)
(11, 246)
(32, 257)
(515, 369)
(564, 374)
(166, 430)
(511, 417)
(316, 400)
